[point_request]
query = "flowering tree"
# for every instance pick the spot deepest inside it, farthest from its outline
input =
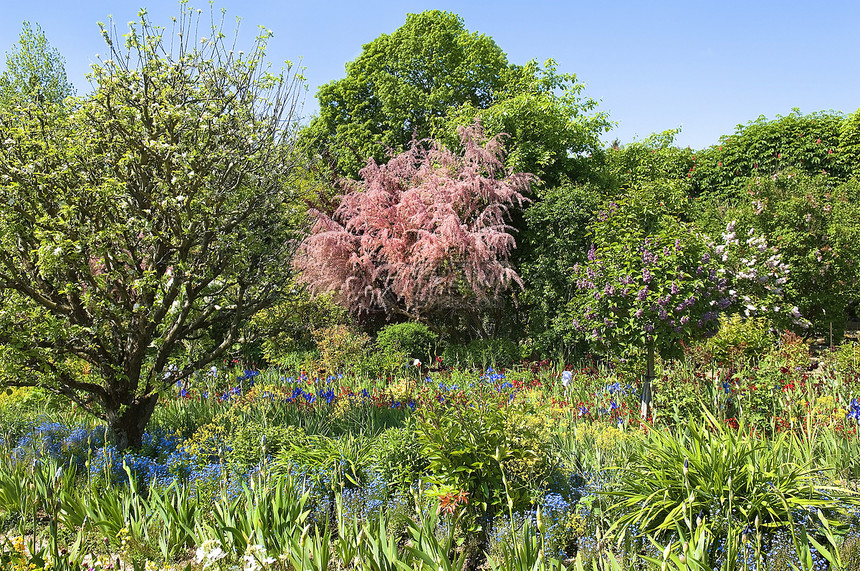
(425, 232)
(652, 280)
(143, 227)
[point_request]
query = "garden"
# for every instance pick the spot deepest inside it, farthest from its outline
(456, 334)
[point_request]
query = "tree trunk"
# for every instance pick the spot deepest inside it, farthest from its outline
(647, 407)
(128, 425)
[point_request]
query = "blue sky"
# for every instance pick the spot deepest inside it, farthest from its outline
(654, 65)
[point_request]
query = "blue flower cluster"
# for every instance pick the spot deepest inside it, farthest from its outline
(57, 442)
(492, 376)
(854, 411)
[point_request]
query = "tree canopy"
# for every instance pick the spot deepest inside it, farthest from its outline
(34, 70)
(401, 84)
(140, 229)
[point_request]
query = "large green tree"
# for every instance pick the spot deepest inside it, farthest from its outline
(401, 84)
(34, 70)
(144, 226)
(551, 129)
(796, 142)
(431, 76)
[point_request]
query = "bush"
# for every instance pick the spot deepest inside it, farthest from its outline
(501, 352)
(286, 330)
(740, 340)
(342, 349)
(414, 340)
(845, 358)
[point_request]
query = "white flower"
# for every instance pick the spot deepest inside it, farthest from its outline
(209, 553)
(255, 557)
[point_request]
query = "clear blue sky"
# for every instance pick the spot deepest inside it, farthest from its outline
(654, 65)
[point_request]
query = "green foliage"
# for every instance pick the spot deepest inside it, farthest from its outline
(485, 454)
(740, 340)
(483, 353)
(400, 83)
(250, 443)
(650, 160)
(413, 340)
(845, 358)
(726, 476)
(286, 329)
(849, 143)
(551, 129)
(816, 227)
(342, 349)
(398, 457)
(35, 71)
(555, 239)
(808, 144)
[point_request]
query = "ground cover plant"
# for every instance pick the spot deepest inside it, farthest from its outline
(447, 469)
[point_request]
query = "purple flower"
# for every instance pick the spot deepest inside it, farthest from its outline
(609, 290)
(706, 257)
(685, 320)
(643, 293)
(592, 254)
(638, 313)
(646, 276)
(674, 288)
(649, 328)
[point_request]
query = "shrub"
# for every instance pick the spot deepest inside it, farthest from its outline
(253, 442)
(414, 340)
(845, 358)
(499, 352)
(285, 331)
(740, 340)
(342, 349)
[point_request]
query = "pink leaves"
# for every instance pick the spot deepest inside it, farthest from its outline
(424, 232)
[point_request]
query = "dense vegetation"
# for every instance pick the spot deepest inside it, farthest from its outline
(439, 327)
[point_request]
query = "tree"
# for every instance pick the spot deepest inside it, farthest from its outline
(400, 84)
(34, 70)
(796, 142)
(652, 280)
(142, 228)
(423, 234)
(551, 130)
(814, 221)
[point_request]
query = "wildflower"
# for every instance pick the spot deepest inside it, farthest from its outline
(209, 553)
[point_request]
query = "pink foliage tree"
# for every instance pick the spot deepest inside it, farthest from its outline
(425, 232)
